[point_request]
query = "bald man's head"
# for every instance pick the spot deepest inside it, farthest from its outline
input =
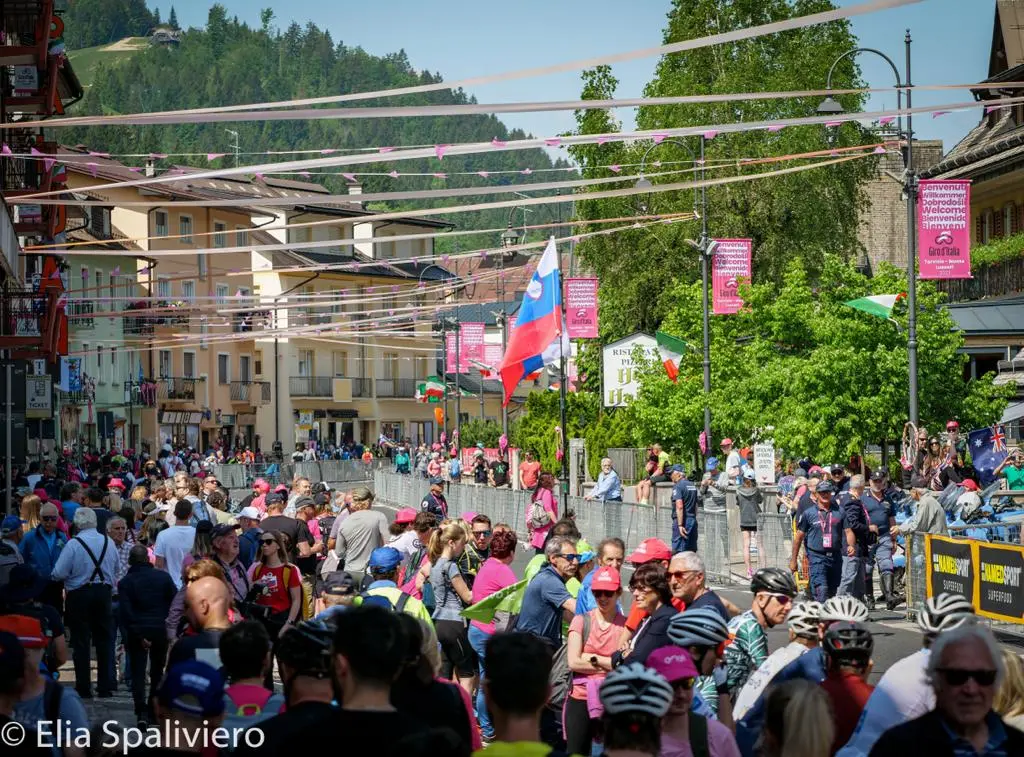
(207, 600)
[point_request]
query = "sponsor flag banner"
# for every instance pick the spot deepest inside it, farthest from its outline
(988, 449)
(581, 308)
(730, 266)
(492, 359)
(944, 228)
(470, 348)
(507, 600)
(999, 592)
(671, 350)
(950, 566)
(431, 390)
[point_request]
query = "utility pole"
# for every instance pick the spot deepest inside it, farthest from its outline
(234, 146)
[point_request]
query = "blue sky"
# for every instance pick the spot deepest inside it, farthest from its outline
(463, 38)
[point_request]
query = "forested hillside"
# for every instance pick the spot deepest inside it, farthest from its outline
(228, 62)
(88, 23)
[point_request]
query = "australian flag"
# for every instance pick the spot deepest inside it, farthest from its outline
(988, 449)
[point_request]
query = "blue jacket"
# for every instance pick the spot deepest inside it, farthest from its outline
(248, 546)
(38, 553)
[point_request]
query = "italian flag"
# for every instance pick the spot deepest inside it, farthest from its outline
(431, 390)
(879, 305)
(671, 351)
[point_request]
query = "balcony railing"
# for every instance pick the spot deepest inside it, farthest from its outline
(362, 387)
(138, 325)
(401, 387)
(310, 386)
(252, 392)
(142, 394)
(177, 388)
(80, 313)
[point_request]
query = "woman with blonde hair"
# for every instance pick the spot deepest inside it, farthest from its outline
(798, 721)
(1009, 700)
(452, 595)
(30, 505)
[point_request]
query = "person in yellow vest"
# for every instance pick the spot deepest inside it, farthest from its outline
(383, 568)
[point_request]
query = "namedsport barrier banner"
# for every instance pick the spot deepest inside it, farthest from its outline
(987, 574)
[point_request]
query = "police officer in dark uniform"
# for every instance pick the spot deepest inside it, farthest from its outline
(858, 534)
(434, 502)
(684, 511)
(880, 503)
(822, 527)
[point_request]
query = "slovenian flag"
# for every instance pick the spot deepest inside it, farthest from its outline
(431, 390)
(539, 337)
(880, 305)
(671, 351)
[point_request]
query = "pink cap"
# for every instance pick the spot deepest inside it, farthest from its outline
(606, 579)
(725, 441)
(648, 550)
(260, 485)
(43, 496)
(405, 515)
(116, 483)
(672, 663)
(469, 515)
(281, 488)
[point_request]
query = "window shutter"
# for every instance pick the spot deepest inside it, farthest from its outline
(997, 225)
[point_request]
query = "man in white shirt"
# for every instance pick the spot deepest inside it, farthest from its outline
(172, 544)
(733, 461)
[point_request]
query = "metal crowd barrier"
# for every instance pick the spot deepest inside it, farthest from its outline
(721, 551)
(329, 471)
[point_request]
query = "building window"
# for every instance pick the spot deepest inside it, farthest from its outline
(390, 365)
(115, 368)
(223, 368)
(421, 367)
(165, 363)
(240, 236)
(987, 224)
(185, 228)
(201, 265)
(245, 368)
(340, 364)
(160, 222)
(220, 236)
(259, 362)
(188, 290)
(306, 362)
(163, 289)
(189, 365)
(222, 294)
(85, 279)
(100, 376)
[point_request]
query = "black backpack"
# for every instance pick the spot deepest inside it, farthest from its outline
(561, 676)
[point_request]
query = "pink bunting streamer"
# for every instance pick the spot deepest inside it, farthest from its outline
(485, 174)
(350, 177)
(328, 151)
(526, 171)
(615, 168)
(938, 113)
(440, 176)
(393, 174)
(553, 142)
(710, 134)
(212, 156)
(833, 124)
(385, 149)
(5, 149)
(97, 154)
(498, 143)
(439, 151)
(602, 140)
(885, 120)
(157, 156)
(879, 150)
(659, 138)
(776, 128)
(93, 169)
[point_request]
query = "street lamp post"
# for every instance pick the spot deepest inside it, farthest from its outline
(509, 239)
(830, 106)
(706, 249)
(444, 347)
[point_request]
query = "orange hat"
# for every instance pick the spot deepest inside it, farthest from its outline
(28, 630)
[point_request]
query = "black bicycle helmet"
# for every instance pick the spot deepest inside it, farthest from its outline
(774, 580)
(845, 641)
(306, 648)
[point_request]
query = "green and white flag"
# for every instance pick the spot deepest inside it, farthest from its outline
(879, 305)
(509, 599)
(431, 390)
(671, 351)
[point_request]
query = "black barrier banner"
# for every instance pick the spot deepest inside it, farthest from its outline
(999, 582)
(950, 566)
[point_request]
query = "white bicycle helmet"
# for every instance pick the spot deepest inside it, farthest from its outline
(699, 627)
(944, 613)
(636, 688)
(803, 619)
(845, 608)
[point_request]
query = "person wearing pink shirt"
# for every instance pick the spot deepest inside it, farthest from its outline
(494, 575)
(543, 511)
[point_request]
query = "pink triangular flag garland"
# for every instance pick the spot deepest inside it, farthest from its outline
(393, 174)
(439, 151)
(349, 177)
(212, 156)
(485, 174)
(659, 138)
(615, 168)
(710, 134)
(385, 149)
(497, 143)
(553, 142)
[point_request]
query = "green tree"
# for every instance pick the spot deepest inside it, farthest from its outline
(818, 377)
(172, 19)
(485, 432)
(797, 217)
(88, 23)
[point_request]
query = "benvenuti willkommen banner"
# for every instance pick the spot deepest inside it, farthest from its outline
(990, 575)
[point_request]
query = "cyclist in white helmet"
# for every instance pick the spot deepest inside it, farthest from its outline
(635, 699)
(904, 692)
(845, 609)
(803, 622)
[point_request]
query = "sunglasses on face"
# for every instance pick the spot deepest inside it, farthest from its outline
(570, 558)
(680, 575)
(49, 517)
(684, 684)
(958, 677)
(265, 542)
(604, 594)
(782, 599)
(482, 533)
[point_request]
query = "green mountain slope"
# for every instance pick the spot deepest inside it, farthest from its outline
(90, 23)
(86, 62)
(229, 63)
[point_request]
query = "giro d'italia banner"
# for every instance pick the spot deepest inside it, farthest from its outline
(730, 266)
(989, 575)
(944, 229)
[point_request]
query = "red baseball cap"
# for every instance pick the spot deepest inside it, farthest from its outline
(969, 485)
(649, 550)
(606, 579)
(28, 630)
(116, 483)
(405, 515)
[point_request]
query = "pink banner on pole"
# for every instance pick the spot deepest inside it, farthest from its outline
(581, 308)
(730, 265)
(944, 228)
(471, 348)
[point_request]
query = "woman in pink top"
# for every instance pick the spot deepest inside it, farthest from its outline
(590, 659)
(494, 575)
(543, 511)
(677, 667)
